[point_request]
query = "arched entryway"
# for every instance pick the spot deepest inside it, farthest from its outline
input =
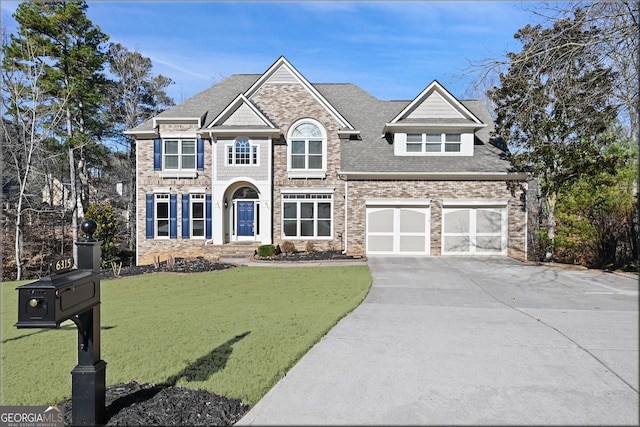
(243, 209)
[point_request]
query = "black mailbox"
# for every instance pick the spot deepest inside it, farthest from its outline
(53, 299)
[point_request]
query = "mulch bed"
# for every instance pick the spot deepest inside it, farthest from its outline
(180, 265)
(134, 404)
(310, 256)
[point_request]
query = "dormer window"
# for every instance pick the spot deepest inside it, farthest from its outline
(433, 142)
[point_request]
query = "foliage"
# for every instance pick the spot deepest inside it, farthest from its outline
(554, 113)
(266, 250)
(598, 215)
(105, 217)
(288, 247)
(282, 311)
(310, 246)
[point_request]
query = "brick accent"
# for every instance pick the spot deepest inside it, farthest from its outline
(285, 104)
(148, 180)
(436, 191)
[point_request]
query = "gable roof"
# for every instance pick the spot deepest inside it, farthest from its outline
(373, 155)
(283, 72)
(240, 117)
(435, 106)
(205, 105)
(362, 113)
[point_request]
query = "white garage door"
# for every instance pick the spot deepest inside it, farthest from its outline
(474, 230)
(397, 230)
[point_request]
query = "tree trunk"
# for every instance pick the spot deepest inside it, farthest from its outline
(550, 201)
(18, 243)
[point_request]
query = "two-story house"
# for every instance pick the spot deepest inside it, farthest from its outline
(269, 158)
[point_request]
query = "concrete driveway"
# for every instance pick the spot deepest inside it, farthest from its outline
(449, 340)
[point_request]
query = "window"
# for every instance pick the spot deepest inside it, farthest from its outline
(307, 149)
(306, 215)
(162, 215)
(175, 157)
(433, 142)
(242, 152)
(197, 217)
(179, 154)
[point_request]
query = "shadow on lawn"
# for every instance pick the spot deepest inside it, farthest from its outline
(42, 331)
(200, 370)
(207, 365)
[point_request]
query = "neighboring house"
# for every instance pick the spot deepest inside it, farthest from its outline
(262, 159)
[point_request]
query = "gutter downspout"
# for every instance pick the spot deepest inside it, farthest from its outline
(346, 210)
(213, 174)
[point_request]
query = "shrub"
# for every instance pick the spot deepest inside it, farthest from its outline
(266, 250)
(105, 216)
(288, 247)
(311, 247)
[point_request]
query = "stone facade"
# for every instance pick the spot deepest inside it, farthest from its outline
(284, 98)
(436, 191)
(285, 104)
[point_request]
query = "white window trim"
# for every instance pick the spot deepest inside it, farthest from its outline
(200, 199)
(466, 143)
(308, 173)
(156, 200)
(315, 201)
(179, 171)
(252, 146)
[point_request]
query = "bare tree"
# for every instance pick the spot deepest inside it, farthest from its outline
(136, 96)
(614, 30)
(31, 119)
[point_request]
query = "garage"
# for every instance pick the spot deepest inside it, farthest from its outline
(474, 227)
(398, 227)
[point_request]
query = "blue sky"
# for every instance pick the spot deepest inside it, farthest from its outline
(393, 50)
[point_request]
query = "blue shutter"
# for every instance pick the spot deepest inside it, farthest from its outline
(173, 218)
(208, 216)
(185, 216)
(200, 154)
(149, 216)
(157, 154)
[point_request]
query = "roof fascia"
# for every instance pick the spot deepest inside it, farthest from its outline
(141, 133)
(416, 126)
(272, 132)
(314, 92)
(439, 176)
(177, 120)
(436, 86)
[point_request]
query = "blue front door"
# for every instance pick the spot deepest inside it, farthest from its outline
(245, 218)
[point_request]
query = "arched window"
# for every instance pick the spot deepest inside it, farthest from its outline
(242, 152)
(307, 148)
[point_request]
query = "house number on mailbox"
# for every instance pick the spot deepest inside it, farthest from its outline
(61, 265)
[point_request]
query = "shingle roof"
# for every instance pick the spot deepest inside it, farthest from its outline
(208, 103)
(373, 153)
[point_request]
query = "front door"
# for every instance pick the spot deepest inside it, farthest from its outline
(245, 218)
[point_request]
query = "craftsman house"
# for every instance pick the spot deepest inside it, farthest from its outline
(262, 159)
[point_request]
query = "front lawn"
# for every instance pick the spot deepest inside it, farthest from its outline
(233, 332)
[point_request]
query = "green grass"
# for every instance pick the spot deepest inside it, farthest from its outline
(234, 332)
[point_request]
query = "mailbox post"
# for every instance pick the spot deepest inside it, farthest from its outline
(74, 295)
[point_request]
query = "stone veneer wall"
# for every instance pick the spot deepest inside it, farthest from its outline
(148, 179)
(436, 191)
(285, 104)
